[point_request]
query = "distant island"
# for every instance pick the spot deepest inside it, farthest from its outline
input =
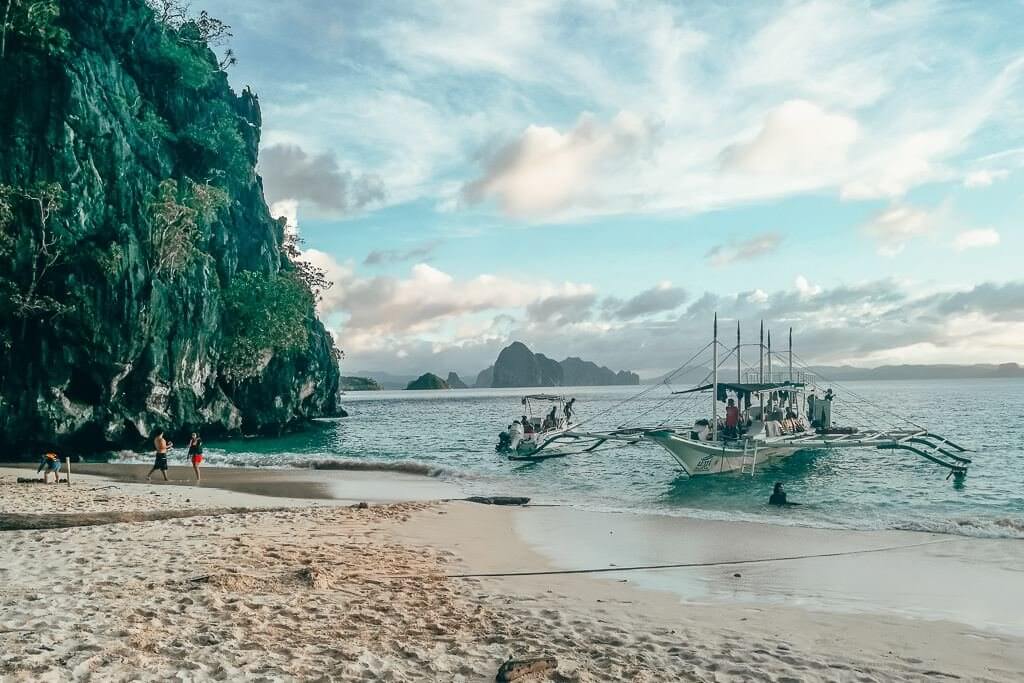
(517, 366)
(428, 381)
(840, 373)
(359, 384)
(937, 371)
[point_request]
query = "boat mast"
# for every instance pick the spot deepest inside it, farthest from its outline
(739, 379)
(714, 383)
(791, 354)
(769, 355)
(760, 357)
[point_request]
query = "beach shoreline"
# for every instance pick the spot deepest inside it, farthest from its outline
(389, 582)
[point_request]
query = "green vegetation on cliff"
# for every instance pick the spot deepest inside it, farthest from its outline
(143, 282)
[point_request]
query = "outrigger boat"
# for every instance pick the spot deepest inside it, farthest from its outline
(768, 415)
(545, 417)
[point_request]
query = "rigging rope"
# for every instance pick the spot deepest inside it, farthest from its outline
(684, 565)
(646, 391)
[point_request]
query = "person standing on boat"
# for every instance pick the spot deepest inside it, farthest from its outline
(732, 419)
(568, 411)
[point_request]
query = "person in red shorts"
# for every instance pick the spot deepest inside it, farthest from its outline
(195, 453)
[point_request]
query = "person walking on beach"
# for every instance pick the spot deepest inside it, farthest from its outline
(195, 453)
(161, 445)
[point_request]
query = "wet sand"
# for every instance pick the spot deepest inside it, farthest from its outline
(299, 588)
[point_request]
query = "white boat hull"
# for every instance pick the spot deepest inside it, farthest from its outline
(698, 458)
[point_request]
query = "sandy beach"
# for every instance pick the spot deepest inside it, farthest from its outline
(223, 581)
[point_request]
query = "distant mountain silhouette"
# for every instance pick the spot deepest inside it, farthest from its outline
(455, 382)
(428, 381)
(840, 373)
(517, 366)
(938, 371)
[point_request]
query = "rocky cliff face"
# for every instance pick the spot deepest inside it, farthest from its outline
(129, 209)
(517, 366)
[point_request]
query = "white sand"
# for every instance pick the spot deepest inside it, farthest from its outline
(335, 593)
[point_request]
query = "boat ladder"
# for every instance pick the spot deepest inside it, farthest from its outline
(749, 462)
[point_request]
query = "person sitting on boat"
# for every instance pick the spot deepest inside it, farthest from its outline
(527, 426)
(732, 420)
(551, 421)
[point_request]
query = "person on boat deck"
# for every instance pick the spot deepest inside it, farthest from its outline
(732, 419)
(568, 410)
(527, 426)
(551, 421)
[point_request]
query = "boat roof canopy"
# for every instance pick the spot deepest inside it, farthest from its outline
(542, 397)
(745, 388)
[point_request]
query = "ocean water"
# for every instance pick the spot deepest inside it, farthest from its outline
(451, 434)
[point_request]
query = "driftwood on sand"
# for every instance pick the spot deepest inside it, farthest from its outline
(525, 669)
(499, 500)
(35, 480)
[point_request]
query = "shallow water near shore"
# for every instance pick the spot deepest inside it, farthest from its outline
(451, 434)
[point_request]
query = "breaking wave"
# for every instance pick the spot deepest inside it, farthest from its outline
(220, 459)
(996, 527)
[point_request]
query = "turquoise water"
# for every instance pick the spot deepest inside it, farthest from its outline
(451, 434)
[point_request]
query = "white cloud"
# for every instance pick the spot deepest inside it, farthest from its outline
(289, 210)
(543, 171)
(805, 288)
(984, 177)
(896, 226)
(803, 96)
(751, 248)
(972, 239)
(796, 138)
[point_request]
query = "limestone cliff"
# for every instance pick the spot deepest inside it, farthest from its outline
(140, 270)
(517, 366)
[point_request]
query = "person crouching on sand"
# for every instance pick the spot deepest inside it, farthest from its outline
(50, 462)
(162, 445)
(195, 453)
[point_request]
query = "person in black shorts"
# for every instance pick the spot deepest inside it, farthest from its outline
(162, 445)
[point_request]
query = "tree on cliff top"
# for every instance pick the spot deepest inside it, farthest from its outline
(34, 23)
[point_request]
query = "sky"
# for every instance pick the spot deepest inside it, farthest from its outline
(598, 178)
